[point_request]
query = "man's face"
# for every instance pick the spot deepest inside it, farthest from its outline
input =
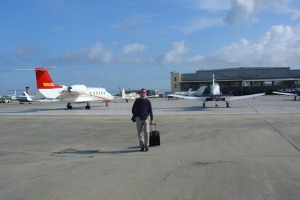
(143, 93)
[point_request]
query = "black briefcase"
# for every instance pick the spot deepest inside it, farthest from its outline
(154, 136)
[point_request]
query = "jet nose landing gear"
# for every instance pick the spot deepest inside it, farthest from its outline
(227, 104)
(69, 106)
(87, 106)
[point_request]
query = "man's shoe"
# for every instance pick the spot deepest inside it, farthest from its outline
(142, 149)
(146, 148)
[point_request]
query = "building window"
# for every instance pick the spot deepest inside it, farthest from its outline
(278, 83)
(246, 84)
(175, 86)
(267, 83)
(297, 82)
(256, 83)
(235, 84)
(175, 78)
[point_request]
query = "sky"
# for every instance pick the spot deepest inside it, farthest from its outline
(136, 44)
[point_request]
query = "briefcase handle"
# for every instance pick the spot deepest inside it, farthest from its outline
(152, 125)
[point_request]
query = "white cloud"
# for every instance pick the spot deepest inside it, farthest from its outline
(239, 11)
(280, 46)
(199, 24)
(133, 48)
(243, 10)
(175, 54)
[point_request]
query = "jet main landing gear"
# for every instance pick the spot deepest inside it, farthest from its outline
(69, 106)
(87, 106)
(227, 104)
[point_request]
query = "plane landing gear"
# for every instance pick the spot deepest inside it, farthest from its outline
(87, 106)
(227, 104)
(203, 105)
(69, 106)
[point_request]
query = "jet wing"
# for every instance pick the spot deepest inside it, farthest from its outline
(285, 93)
(39, 95)
(244, 97)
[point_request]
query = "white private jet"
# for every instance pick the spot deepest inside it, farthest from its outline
(216, 95)
(295, 95)
(74, 93)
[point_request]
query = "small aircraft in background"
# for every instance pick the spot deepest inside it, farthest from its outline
(129, 96)
(24, 98)
(198, 92)
(14, 96)
(216, 95)
(185, 93)
(295, 94)
(74, 93)
(188, 93)
(32, 99)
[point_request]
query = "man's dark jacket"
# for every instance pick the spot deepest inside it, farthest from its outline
(142, 108)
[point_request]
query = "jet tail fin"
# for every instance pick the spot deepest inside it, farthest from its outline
(44, 83)
(43, 79)
(28, 98)
(123, 94)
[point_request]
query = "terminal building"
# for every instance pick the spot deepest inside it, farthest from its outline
(238, 81)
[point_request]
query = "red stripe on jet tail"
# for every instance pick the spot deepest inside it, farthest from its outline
(43, 79)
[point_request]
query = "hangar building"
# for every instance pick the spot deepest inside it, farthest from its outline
(238, 81)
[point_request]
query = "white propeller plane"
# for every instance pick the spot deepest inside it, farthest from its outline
(295, 95)
(74, 93)
(216, 95)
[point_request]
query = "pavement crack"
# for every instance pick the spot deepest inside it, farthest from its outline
(284, 136)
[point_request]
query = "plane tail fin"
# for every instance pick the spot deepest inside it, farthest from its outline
(201, 90)
(28, 98)
(189, 91)
(123, 94)
(43, 79)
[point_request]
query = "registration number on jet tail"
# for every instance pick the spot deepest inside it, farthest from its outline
(48, 84)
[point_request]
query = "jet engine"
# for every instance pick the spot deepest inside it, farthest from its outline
(80, 89)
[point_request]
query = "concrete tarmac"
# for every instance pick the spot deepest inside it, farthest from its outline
(246, 152)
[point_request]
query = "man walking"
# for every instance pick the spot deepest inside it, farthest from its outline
(141, 110)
